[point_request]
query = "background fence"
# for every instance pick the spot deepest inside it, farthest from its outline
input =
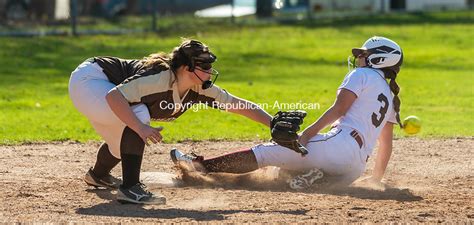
(65, 17)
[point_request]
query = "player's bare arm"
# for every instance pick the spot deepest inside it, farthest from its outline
(343, 102)
(384, 152)
(251, 111)
(121, 108)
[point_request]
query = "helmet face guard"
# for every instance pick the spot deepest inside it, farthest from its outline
(211, 71)
(352, 59)
(351, 62)
(199, 57)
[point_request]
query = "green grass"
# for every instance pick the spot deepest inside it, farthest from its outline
(303, 61)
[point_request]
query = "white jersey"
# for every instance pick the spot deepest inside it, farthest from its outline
(337, 152)
(373, 107)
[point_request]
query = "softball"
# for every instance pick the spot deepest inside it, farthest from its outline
(412, 125)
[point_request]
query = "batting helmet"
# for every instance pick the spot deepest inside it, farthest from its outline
(380, 53)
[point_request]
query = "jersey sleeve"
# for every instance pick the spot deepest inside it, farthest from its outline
(215, 97)
(354, 81)
(392, 118)
(136, 87)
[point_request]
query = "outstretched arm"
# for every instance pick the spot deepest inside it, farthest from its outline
(343, 102)
(250, 110)
(384, 152)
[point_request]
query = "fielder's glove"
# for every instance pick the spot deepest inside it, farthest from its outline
(295, 117)
(284, 127)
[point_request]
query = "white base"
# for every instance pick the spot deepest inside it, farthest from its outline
(159, 179)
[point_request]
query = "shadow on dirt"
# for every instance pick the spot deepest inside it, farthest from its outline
(105, 194)
(392, 193)
(114, 208)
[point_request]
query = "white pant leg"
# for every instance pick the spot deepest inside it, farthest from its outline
(271, 154)
(112, 133)
(88, 87)
(336, 153)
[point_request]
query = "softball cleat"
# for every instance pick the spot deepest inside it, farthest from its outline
(138, 194)
(187, 159)
(108, 181)
(305, 180)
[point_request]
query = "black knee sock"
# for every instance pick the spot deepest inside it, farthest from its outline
(131, 169)
(105, 161)
(131, 152)
(235, 162)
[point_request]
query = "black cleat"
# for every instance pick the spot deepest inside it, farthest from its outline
(138, 194)
(108, 181)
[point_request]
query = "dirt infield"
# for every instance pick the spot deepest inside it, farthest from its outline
(429, 181)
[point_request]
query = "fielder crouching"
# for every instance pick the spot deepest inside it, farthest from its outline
(120, 97)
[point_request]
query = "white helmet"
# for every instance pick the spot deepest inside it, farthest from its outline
(381, 52)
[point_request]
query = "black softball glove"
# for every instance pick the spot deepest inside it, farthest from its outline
(284, 127)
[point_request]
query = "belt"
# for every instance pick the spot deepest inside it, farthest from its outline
(359, 141)
(357, 137)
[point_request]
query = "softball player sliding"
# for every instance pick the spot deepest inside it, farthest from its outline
(120, 97)
(365, 109)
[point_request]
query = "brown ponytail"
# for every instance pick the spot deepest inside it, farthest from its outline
(156, 60)
(391, 73)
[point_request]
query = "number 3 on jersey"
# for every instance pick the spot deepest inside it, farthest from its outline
(383, 110)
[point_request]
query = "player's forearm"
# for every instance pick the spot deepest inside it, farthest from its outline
(121, 108)
(343, 102)
(254, 113)
(331, 115)
(251, 111)
(384, 152)
(381, 162)
(260, 115)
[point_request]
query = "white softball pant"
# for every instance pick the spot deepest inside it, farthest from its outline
(336, 153)
(88, 87)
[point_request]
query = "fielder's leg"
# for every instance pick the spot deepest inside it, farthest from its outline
(132, 148)
(105, 161)
(99, 176)
(132, 191)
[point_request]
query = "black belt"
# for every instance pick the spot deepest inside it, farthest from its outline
(359, 141)
(357, 137)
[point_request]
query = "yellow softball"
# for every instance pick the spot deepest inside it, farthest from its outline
(412, 125)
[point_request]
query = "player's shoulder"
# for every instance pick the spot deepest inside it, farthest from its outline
(364, 71)
(367, 73)
(357, 75)
(163, 78)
